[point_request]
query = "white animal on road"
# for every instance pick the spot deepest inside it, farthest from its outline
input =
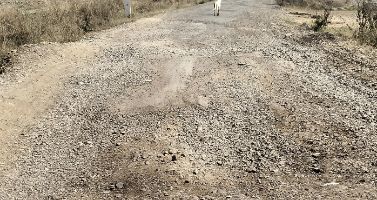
(216, 10)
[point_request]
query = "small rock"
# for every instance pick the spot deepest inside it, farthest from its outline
(365, 169)
(219, 163)
(243, 149)
(316, 155)
(195, 171)
(194, 198)
(251, 170)
(275, 171)
(172, 151)
(112, 187)
(287, 35)
(119, 185)
(330, 184)
(174, 158)
(317, 170)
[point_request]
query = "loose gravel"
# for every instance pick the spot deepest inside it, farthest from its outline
(190, 106)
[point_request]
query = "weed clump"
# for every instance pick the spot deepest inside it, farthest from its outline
(322, 21)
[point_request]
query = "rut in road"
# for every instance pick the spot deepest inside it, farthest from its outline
(186, 105)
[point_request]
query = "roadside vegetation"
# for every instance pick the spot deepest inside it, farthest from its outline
(66, 21)
(346, 18)
(322, 21)
(314, 4)
(367, 19)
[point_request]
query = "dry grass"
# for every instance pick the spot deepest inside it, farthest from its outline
(342, 23)
(314, 4)
(359, 24)
(66, 20)
(59, 22)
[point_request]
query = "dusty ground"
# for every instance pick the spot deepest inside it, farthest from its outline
(190, 106)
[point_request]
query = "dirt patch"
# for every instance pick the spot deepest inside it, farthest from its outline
(33, 95)
(166, 88)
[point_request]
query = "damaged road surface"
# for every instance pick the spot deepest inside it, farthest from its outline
(186, 105)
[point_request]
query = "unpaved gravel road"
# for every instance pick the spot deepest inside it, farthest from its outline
(186, 105)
